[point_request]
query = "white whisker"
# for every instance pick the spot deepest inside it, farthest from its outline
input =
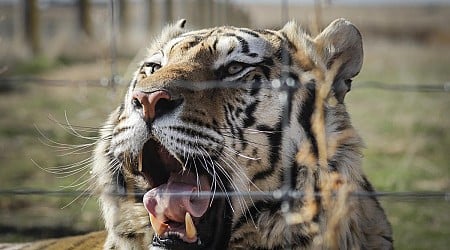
(241, 155)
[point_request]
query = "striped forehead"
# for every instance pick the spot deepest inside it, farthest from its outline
(172, 43)
(228, 43)
(239, 45)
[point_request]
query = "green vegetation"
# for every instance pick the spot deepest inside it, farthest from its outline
(35, 66)
(28, 217)
(407, 139)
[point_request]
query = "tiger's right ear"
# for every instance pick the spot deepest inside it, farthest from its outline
(340, 46)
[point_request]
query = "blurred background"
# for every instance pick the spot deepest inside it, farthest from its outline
(64, 65)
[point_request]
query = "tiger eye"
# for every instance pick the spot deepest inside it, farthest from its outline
(234, 68)
(151, 67)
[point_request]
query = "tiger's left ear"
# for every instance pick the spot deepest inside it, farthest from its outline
(340, 46)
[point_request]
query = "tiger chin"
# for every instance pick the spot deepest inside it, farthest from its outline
(203, 126)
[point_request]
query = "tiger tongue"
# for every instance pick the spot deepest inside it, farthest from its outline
(160, 203)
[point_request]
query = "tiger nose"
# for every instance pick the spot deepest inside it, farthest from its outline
(148, 101)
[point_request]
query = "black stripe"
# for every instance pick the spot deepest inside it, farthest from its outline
(269, 32)
(192, 43)
(230, 51)
(120, 184)
(244, 44)
(227, 118)
(121, 108)
(293, 171)
(238, 111)
(215, 44)
(268, 61)
(317, 198)
(192, 132)
(250, 32)
(196, 122)
(283, 54)
(274, 155)
(388, 238)
(240, 133)
(121, 118)
(256, 85)
(120, 142)
(173, 46)
(333, 165)
(305, 114)
(138, 191)
(266, 66)
(366, 186)
(332, 59)
(294, 76)
(241, 40)
(120, 131)
(249, 110)
(267, 70)
(301, 240)
(288, 42)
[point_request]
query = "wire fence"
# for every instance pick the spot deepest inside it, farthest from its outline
(116, 80)
(445, 196)
(287, 194)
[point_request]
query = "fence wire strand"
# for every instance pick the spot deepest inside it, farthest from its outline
(276, 195)
(114, 81)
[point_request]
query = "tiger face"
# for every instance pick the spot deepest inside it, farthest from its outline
(201, 129)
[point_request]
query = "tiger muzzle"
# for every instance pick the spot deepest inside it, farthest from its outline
(181, 210)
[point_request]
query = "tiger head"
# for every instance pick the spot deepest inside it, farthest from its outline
(201, 126)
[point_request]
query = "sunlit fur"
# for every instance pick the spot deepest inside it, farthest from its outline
(231, 121)
(91, 241)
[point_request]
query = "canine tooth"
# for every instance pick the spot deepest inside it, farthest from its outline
(158, 226)
(191, 231)
(140, 161)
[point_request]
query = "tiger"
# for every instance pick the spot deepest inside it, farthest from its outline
(239, 138)
(206, 117)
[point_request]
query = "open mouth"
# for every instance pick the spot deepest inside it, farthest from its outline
(179, 204)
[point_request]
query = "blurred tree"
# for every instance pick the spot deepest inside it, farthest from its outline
(84, 12)
(123, 14)
(167, 12)
(151, 18)
(32, 32)
(209, 15)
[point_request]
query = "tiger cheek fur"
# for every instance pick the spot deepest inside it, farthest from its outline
(202, 104)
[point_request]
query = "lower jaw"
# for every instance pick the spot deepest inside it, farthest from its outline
(174, 243)
(215, 236)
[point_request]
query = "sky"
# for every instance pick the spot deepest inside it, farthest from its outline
(352, 2)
